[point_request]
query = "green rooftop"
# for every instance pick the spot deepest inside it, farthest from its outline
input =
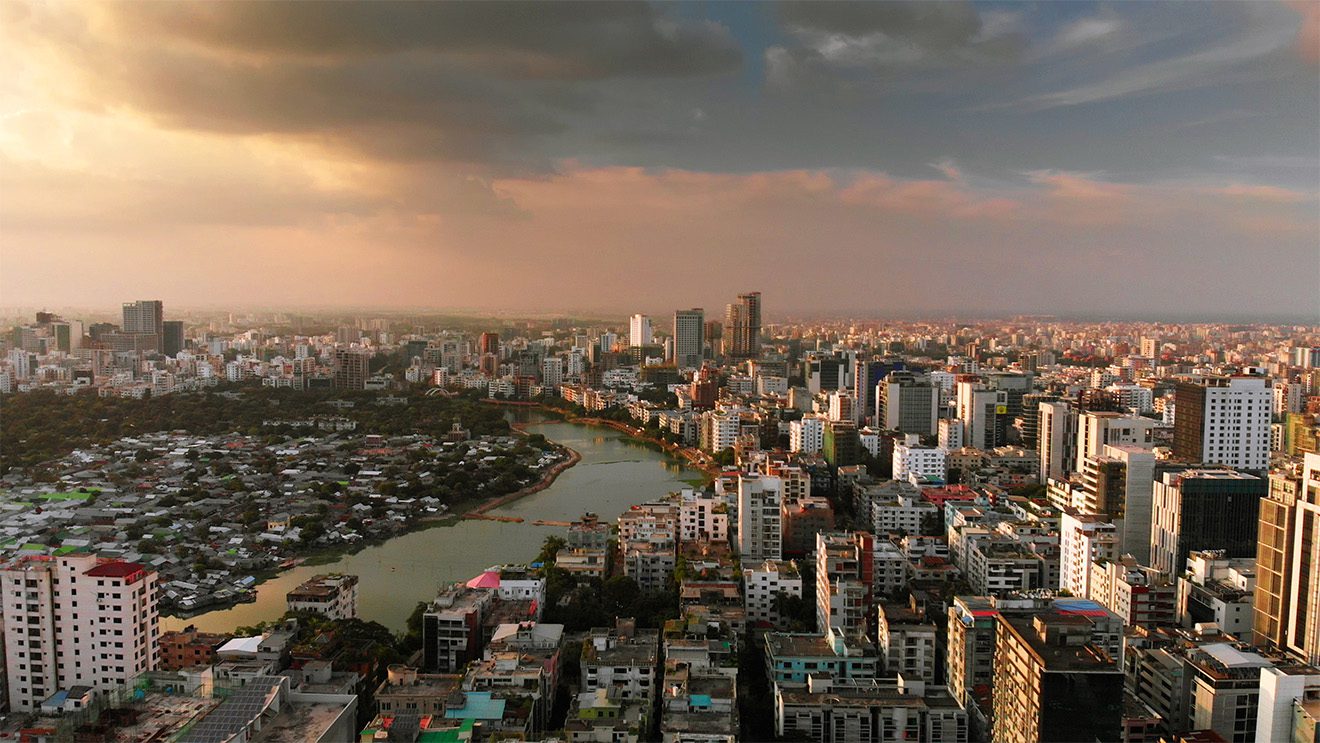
(72, 495)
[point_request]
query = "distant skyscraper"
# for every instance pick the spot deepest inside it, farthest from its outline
(68, 334)
(488, 353)
(352, 367)
(145, 317)
(689, 337)
(1224, 420)
(172, 343)
(639, 331)
(742, 332)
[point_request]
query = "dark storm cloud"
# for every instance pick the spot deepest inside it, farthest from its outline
(474, 83)
(570, 40)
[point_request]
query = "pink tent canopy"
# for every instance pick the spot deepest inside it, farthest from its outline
(488, 579)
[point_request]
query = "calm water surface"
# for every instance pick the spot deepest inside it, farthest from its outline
(614, 473)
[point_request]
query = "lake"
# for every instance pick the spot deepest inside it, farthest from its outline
(615, 473)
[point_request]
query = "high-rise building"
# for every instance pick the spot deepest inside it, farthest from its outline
(689, 337)
(145, 319)
(971, 647)
(1201, 509)
(866, 378)
(68, 334)
(145, 316)
(172, 343)
(826, 372)
(807, 435)
(552, 371)
(907, 402)
(76, 620)
(1119, 485)
(1287, 398)
(1224, 420)
(742, 332)
(639, 331)
(1030, 428)
(1098, 429)
(842, 406)
(352, 367)
(1057, 440)
(488, 354)
(760, 531)
(843, 581)
(912, 460)
(1084, 539)
(1051, 683)
(983, 412)
(1287, 600)
(840, 444)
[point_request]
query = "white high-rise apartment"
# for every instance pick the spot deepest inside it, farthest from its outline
(842, 407)
(702, 517)
(978, 409)
(76, 620)
(762, 585)
(639, 331)
(689, 337)
(1287, 398)
(807, 435)
(1224, 420)
(1132, 397)
(552, 371)
(1098, 429)
(951, 434)
(1132, 516)
(912, 459)
(760, 529)
(840, 592)
(1084, 539)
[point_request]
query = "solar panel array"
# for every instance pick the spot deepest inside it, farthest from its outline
(235, 713)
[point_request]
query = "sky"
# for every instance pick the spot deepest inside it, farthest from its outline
(872, 158)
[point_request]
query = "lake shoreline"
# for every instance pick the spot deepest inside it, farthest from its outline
(690, 456)
(463, 509)
(614, 473)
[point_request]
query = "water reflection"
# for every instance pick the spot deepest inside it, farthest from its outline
(614, 473)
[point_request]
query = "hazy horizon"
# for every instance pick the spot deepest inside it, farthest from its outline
(1078, 159)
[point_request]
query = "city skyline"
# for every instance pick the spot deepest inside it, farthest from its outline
(1077, 159)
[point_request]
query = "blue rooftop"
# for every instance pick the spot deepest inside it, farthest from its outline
(477, 705)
